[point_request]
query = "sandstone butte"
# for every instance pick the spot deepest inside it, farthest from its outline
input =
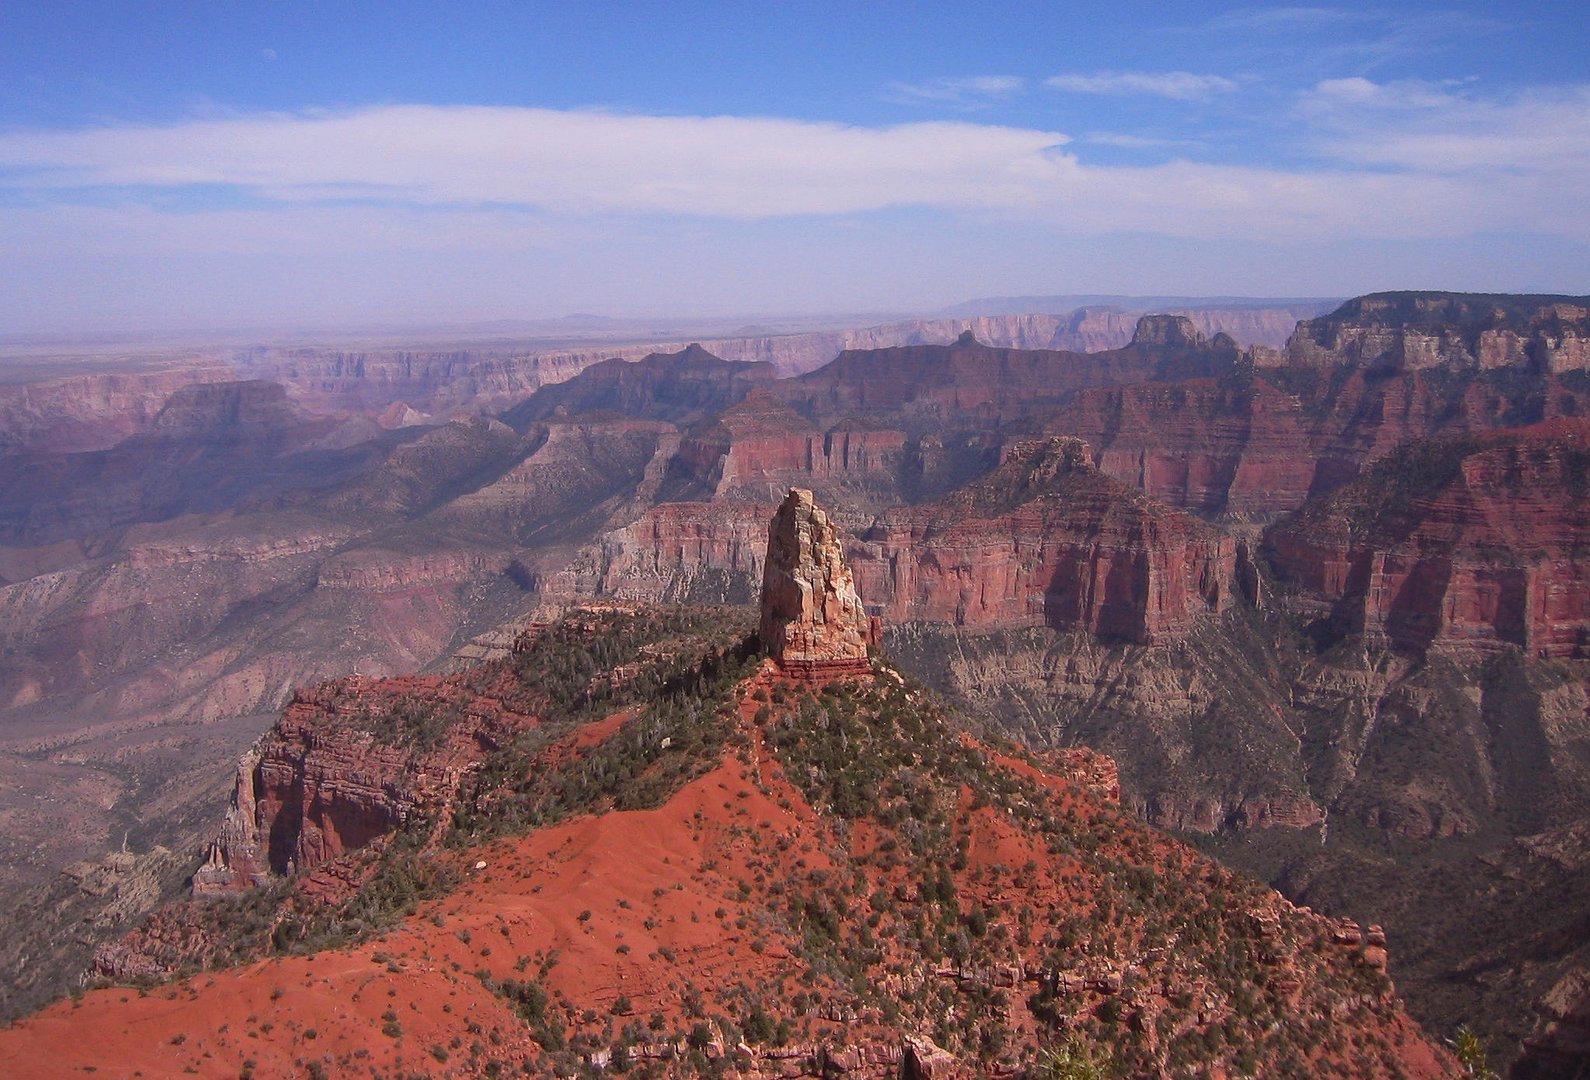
(812, 622)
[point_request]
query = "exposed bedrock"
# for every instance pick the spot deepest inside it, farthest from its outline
(1470, 544)
(812, 621)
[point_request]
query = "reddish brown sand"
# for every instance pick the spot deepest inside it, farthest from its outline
(652, 906)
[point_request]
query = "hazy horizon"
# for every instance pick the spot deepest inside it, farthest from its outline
(287, 166)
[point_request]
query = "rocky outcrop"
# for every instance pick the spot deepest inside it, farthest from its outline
(1470, 544)
(1415, 331)
(1168, 331)
(813, 623)
(1047, 540)
(1559, 1045)
(350, 762)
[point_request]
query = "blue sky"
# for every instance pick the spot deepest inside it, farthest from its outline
(324, 164)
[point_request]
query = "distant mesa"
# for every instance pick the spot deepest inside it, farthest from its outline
(1171, 331)
(813, 624)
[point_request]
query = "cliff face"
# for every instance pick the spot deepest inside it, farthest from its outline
(760, 447)
(1046, 539)
(943, 387)
(684, 552)
(1416, 331)
(348, 763)
(1466, 544)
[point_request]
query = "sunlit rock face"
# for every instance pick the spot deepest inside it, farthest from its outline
(813, 621)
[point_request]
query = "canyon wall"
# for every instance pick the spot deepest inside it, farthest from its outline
(1467, 544)
(1045, 539)
(348, 763)
(1417, 331)
(93, 410)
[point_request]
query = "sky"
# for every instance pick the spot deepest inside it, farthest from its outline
(170, 165)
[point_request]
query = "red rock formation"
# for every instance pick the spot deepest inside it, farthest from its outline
(1466, 544)
(348, 763)
(761, 446)
(1071, 910)
(928, 386)
(1047, 540)
(813, 623)
(1203, 446)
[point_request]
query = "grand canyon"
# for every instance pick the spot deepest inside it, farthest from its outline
(1165, 692)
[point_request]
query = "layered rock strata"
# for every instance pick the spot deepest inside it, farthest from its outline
(1048, 540)
(1418, 331)
(1468, 544)
(813, 623)
(348, 762)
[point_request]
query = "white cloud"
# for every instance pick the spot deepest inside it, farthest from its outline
(1176, 85)
(1137, 142)
(972, 92)
(1448, 129)
(431, 179)
(577, 162)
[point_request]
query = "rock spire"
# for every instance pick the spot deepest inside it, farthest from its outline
(813, 622)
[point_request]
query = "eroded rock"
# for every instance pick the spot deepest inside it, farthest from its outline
(813, 622)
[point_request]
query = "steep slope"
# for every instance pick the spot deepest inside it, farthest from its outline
(736, 871)
(1046, 539)
(1468, 544)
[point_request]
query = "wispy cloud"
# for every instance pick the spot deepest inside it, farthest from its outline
(971, 92)
(1280, 19)
(1138, 142)
(1448, 128)
(1395, 160)
(1176, 85)
(1328, 38)
(570, 162)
